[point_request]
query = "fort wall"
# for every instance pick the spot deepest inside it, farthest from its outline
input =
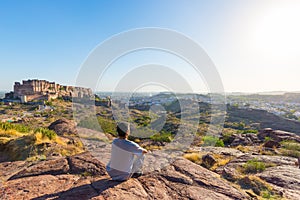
(31, 90)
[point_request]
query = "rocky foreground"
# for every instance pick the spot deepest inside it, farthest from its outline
(215, 173)
(84, 177)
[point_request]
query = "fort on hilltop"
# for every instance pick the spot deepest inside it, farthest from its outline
(34, 90)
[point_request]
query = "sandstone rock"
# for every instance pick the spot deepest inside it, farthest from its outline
(37, 186)
(284, 176)
(180, 180)
(208, 160)
(272, 144)
(285, 179)
(230, 170)
(277, 160)
(8, 169)
(131, 189)
(63, 126)
(219, 150)
(53, 167)
(86, 163)
(83, 164)
(278, 135)
(245, 139)
(207, 179)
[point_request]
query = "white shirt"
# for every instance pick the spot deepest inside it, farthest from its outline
(122, 158)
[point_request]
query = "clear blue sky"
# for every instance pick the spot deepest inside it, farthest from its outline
(255, 44)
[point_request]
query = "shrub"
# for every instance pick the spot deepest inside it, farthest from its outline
(108, 126)
(253, 166)
(162, 137)
(46, 132)
(267, 139)
(212, 141)
(6, 126)
(90, 123)
(290, 148)
(291, 145)
(248, 131)
(219, 143)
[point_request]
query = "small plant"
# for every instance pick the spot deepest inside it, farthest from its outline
(162, 137)
(212, 141)
(267, 139)
(86, 173)
(46, 133)
(253, 166)
(265, 194)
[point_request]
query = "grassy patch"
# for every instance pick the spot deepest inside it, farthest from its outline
(108, 126)
(162, 137)
(253, 166)
(257, 185)
(6, 126)
(46, 133)
(212, 141)
(290, 148)
(291, 145)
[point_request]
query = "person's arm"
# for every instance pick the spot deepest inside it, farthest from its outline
(137, 149)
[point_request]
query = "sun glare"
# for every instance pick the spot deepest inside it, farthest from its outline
(277, 34)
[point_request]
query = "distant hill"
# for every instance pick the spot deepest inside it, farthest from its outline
(2, 94)
(262, 117)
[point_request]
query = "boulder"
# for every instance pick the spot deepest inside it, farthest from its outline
(53, 167)
(244, 139)
(86, 163)
(208, 160)
(277, 135)
(285, 179)
(272, 144)
(63, 126)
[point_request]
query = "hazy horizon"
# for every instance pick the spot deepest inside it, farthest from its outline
(254, 44)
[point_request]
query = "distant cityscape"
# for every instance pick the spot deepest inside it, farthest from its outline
(282, 104)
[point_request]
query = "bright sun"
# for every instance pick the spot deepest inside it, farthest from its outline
(277, 34)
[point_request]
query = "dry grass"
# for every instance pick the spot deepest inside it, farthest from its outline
(153, 147)
(221, 161)
(11, 133)
(243, 149)
(194, 157)
(253, 184)
(40, 139)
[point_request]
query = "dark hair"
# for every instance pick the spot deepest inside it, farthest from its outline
(122, 129)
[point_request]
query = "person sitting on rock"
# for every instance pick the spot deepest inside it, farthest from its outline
(127, 157)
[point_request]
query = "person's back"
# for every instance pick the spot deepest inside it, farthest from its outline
(126, 156)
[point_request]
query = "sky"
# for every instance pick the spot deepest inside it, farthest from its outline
(254, 44)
